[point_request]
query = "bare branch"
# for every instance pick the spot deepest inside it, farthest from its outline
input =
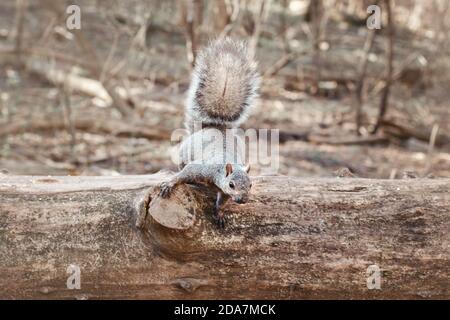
(362, 69)
(384, 102)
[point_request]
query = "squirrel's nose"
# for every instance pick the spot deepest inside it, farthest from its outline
(241, 200)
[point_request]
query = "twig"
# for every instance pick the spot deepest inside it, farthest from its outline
(68, 119)
(390, 57)
(280, 64)
(393, 174)
(288, 55)
(284, 27)
(362, 69)
(20, 21)
(47, 33)
(253, 43)
(316, 12)
(431, 144)
(192, 7)
(395, 74)
(106, 64)
(233, 18)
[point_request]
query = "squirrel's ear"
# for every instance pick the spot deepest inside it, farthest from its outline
(228, 169)
(247, 168)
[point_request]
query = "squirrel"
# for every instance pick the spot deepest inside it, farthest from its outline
(224, 85)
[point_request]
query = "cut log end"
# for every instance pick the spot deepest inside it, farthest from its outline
(175, 223)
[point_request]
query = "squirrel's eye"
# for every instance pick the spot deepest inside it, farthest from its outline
(231, 184)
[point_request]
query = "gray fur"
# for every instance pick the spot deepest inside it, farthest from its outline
(224, 85)
(213, 146)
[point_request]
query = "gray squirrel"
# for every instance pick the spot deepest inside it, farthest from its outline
(224, 84)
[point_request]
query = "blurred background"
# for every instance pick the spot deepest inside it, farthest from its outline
(104, 99)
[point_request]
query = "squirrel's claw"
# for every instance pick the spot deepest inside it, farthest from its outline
(165, 189)
(219, 218)
(221, 222)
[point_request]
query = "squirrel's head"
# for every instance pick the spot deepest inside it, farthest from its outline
(237, 184)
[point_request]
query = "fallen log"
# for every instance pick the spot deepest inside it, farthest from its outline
(131, 128)
(7, 55)
(349, 140)
(74, 82)
(90, 87)
(296, 238)
(405, 131)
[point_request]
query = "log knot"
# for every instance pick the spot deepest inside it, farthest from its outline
(190, 285)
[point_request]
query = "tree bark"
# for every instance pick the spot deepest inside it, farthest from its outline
(296, 238)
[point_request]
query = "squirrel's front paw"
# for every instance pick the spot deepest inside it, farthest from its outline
(221, 222)
(219, 218)
(165, 189)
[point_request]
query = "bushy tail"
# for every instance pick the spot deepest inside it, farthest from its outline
(224, 84)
